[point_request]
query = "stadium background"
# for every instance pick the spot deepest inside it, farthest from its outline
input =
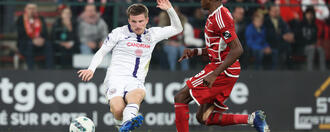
(47, 100)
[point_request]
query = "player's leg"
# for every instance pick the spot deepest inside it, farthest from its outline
(211, 113)
(114, 94)
(134, 99)
(203, 112)
(117, 106)
(208, 114)
(181, 99)
(183, 96)
(131, 118)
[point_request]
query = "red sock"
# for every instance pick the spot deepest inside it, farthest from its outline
(227, 119)
(181, 117)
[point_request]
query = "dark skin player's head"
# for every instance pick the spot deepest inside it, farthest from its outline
(210, 5)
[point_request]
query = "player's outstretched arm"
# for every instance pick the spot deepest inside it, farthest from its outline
(164, 4)
(175, 27)
(188, 53)
(87, 74)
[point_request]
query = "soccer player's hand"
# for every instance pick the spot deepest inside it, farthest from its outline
(164, 4)
(187, 53)
(209, 80)
(85, 75)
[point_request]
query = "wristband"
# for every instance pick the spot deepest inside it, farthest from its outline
(199, 51)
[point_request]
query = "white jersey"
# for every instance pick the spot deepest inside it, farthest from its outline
(131, 53)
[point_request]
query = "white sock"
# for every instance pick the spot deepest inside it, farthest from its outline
(251, 118)
(117, 122)
(130, 111)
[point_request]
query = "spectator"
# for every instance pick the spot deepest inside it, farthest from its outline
(174, 46)
(198, 21)
(64, 35)
(189, 37)
(256, 39)
(309, 40)
(105, 10)
(248, 10)
(33, 37)
(92, 30)
(325, 38)
(279, 37)
(289, 12)
(321, 10)
(240, 25)
(77, 8)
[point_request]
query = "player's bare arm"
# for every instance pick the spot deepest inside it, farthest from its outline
(235, 52)
(164, 4)
(189, 52)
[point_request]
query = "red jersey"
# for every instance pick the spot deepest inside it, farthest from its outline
(219, 31)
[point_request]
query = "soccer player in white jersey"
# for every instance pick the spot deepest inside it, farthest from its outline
(131, 47)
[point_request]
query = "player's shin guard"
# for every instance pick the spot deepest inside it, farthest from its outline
(182, 117)
(226, 119)
(130, 111)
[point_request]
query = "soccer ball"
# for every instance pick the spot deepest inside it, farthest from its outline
(82, 124)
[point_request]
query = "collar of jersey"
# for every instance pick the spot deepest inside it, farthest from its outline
(216, 10)
(130, 29)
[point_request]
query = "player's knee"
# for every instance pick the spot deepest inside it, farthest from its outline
(117, 113)
(203, 117)
(141, 92)
(178, 98)
(183, 96)
(199, 117)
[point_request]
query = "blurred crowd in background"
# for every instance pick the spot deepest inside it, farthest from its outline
(275, 35)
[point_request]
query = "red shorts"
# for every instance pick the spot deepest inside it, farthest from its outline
(220, 90)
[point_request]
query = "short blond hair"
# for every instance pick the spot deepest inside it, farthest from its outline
(137, 9)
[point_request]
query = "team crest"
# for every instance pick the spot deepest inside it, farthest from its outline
(112, 91)
(147, 37)
(226, 35)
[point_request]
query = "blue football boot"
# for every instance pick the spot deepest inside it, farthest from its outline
(125, 127)
(132, 124)
(137, 121)
(259, 121)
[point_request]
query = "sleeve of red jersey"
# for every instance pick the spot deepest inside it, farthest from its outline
(226, 25)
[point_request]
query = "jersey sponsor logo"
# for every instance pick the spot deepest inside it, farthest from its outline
(138, 45)
(226, 35)
(138, 52)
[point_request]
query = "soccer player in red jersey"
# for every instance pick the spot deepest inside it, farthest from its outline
(213, 85)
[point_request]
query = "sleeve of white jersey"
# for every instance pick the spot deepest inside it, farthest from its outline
(106, 47)
(161, 33)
